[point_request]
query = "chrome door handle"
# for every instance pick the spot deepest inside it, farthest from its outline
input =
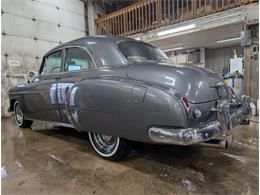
(57, 77)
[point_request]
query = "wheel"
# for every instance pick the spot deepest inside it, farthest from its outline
(109, 147)
(20, 121)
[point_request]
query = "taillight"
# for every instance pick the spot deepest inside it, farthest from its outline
(185, 103)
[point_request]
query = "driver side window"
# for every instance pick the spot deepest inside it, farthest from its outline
(52, 63)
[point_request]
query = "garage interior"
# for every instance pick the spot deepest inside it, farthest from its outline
(220, 35)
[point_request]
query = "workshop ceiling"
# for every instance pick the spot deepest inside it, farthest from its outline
(205, 38)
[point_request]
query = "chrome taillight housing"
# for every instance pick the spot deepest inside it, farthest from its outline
(185, 103)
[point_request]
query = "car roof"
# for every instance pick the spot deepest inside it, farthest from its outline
(88, 39)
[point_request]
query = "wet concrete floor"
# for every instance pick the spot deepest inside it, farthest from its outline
(49, 160)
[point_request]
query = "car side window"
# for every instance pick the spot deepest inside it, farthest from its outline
(52, 63)
(78, 59)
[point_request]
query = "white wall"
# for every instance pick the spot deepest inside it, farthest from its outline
(32, 28)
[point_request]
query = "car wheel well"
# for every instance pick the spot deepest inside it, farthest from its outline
(12, 101)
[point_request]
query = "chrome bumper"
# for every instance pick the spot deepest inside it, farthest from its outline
(222, 127)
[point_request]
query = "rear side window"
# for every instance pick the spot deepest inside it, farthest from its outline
(52, 63)
(78, 59)
(139, 51)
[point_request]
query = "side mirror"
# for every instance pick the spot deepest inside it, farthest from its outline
(31, 74)
(31, 77)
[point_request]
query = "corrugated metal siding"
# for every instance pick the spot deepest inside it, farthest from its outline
(218, 59)
(29, 30)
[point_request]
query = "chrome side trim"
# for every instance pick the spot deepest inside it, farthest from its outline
(53, 123)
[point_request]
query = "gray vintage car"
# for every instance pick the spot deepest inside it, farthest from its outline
(119, 89)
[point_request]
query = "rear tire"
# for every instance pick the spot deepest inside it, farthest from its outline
(109, 147)
(19, 118)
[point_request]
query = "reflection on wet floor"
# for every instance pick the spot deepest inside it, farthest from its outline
(51, 160)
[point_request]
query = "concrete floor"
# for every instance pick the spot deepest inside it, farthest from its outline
(48, 160)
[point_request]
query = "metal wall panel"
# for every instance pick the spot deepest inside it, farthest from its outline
(45, 13)
(12, 46)
(73, 6)
(29, 30)
(218, 59)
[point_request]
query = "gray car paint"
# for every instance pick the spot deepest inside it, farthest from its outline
(119, 98)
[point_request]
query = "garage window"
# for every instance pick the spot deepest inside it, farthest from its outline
(52, 63)
(78, 59)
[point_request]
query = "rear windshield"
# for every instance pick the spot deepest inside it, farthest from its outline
(139, 51)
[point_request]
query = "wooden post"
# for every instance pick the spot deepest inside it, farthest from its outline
(173, 11)
(178, 10)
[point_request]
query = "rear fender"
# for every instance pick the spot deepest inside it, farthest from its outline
(122, 108)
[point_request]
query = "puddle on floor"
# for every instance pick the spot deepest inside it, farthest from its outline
(17, 162)
(3, 172)
(189, 186)
(242, 159)
(249, 143)
(198, 174)
(246, 189)
(56, 158)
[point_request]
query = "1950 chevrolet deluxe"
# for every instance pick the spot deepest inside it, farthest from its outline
(120, 89)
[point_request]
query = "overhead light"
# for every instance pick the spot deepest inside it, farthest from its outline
(228, 40)
(137, 38)
(175, 30)
(173, 49)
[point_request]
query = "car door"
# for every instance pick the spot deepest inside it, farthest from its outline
(78, 64)
(41, 96)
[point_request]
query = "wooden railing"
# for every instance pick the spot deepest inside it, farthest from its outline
(151, 14)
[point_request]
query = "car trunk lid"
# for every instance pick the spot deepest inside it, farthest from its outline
(197, 84)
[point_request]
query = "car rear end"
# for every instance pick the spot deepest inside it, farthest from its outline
(206, 121)
(210, 110)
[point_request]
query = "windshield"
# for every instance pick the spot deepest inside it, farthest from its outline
(138, 51)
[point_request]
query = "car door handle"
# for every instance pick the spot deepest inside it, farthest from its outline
(57, 77)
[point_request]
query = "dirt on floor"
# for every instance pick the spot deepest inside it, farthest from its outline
(51, 160)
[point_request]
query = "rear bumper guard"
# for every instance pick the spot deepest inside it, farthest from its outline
(220, 128)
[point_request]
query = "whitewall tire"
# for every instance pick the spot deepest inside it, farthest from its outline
(19, 118)
(109, 147)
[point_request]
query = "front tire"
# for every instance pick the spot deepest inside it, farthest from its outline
(109, 147)
(19, 118)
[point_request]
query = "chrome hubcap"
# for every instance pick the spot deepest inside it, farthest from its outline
(18, 114)
(104, 144)
(106, 138)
